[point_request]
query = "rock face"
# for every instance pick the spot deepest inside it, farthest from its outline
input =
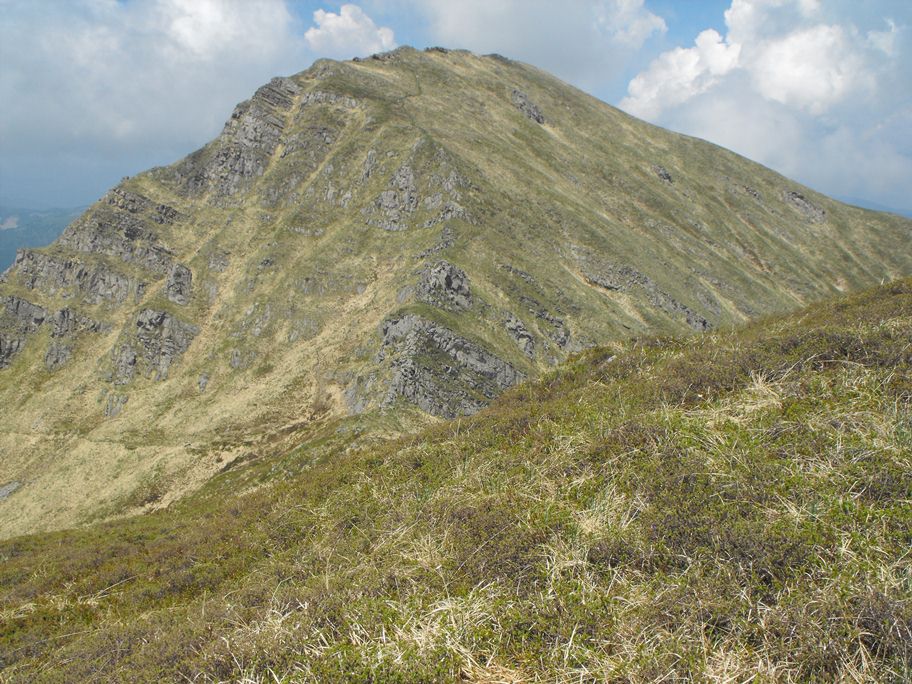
(439, 371)
(445, 286)
(159, 339)
(248, 141)
(21, 319)
(18, 320)
(521, 335)
(522, 102)
(399, 200)
(66, 326)
(92, 283)
(811, 211)
(124, 236)
(177, 289)
(623, 278)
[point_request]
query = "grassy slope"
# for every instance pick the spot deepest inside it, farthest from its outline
(726, 506)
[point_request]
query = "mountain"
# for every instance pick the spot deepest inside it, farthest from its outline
(371, 245)
(30, 228)
(725, 507)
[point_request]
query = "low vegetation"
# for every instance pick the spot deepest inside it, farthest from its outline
(727, 507)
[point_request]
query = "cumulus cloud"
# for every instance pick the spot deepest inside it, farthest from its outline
(349, 33)
(586, 42)
(679, 74)
(798, 85)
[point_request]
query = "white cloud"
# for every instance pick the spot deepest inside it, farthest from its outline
(796, 85)
(95, 89)
(588, 43)
(349, 33)
(679, 74)
(812, 68)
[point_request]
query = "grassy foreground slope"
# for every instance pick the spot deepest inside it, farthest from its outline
(716, 508)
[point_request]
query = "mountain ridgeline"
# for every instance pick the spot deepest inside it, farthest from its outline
(389, 240)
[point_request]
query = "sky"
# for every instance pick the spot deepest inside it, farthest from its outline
(819, 90)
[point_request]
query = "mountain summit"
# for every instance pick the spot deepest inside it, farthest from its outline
(401, 236)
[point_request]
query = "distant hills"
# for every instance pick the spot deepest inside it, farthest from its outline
(30, 228)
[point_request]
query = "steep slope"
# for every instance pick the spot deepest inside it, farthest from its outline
(729, 507)
(418, 231)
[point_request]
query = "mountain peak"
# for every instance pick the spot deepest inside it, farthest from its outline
(383, 240)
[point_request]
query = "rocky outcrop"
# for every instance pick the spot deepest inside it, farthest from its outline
(247, 143)
(553, 325)
(177, 289)
(158, 341)
(520, 334)
(662, 173)
(93, 283)
(522, 102)
(135, 203)
(445, 286)
(19, 319)
(440, 372)
(324, 98)
(811, 211)
(117, 233)
(397, 202)
(67, 324)
(623, 278)
(417, 187)
(9, 488)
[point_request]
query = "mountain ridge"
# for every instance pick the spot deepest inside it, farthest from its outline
(408, 234)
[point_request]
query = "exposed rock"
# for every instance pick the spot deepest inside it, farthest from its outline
(203, 382)
(521, 335)
(247, 143)
(159, 340)
(95, 282)
(320, 97)
(446, 286)
(21, 318)
(522, 102)
(218, 262)
(398, 201)
(558, 330)
(447, 240)
(625, 278)
(67, 323)
(662, 173)
(753, 192)
(370, 163)
(123, 359)
(57, 355)
(115, 404)
(18, 320)
(117, 233)
(519, 273)
(811, 211)
(9, 488)
(177, 289)
(241, 360)
(138, 204)
(439, 371)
